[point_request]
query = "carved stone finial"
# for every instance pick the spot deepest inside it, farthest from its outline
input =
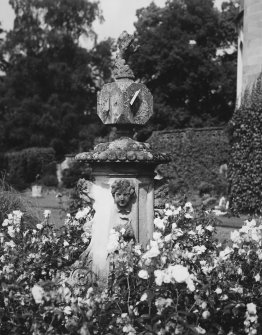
(121, 69)
(124, 42)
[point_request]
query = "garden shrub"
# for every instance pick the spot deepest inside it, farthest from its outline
(197, 155)
(25, 165)
(184, 282)
(75, 172)
(245, 167)
(3, 163)
(49, 180)
(70, 178)
(11, 200)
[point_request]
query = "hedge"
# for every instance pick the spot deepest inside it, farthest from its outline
(24, 166)
(197, 155)
(245, 166)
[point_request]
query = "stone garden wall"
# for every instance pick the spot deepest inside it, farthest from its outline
(199, 158)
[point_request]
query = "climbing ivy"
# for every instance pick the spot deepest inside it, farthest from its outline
(245, 166)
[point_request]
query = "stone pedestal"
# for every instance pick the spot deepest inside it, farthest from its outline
(122, 192)
(142, 177)
(125, 159)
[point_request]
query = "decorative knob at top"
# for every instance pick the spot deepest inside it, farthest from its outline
(121, 69)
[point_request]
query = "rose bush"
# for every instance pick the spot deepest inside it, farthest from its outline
(183, 282)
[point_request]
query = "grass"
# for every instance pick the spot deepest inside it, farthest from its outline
(57, 205)
(11, 200)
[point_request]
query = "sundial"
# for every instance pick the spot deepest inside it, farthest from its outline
(122, 190)
(124, 101)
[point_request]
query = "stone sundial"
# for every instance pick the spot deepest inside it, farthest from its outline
(123, 164)
(124, 102)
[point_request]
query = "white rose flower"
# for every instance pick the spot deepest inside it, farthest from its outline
(224, 254)
(206, 314)
(210, 228)
(189, 207)
(177, 210)
(239, 271)
(257, 277)
(159, 277)
(162, 303)
(251, 308)
(81, 214)
(159, 223)
(168, 238)
(67, 310)
(18, 213)
(137, 250)
(38, 293)
(200, 230)
(204, 305)
(157, 235)
(179, 273)
(168, 212)
(151, 253)
(143, 297)
(10, 244)
(11, 231)
(251, 224)
(39, 226)
(163, 259)
(200, 330)
(199, 249)
(47, 213)
(218, 290)
(190, 284)
(143, 274)
(5, 223)
(174, 226)
(66, 244)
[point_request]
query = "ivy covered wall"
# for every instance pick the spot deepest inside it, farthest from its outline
(245, 165)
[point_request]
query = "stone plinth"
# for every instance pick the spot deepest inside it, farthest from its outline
(123, 189)
(126, 159)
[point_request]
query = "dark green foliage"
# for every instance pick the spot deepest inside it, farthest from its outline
(76, 171)
(48, 96)
(245, 169)
(196, 159)
(27, 165)
(3, 162)
(49, 180)
(177, 58)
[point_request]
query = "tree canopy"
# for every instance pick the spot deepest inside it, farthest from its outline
(48, 92)
(48, 96)
(184, 58)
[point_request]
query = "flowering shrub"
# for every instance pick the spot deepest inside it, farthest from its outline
(29, 257)
(183, 282)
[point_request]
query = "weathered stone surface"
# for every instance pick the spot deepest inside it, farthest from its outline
(124, 150)
(125, 102)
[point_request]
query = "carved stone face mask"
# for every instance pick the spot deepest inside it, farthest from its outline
(122, 198)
